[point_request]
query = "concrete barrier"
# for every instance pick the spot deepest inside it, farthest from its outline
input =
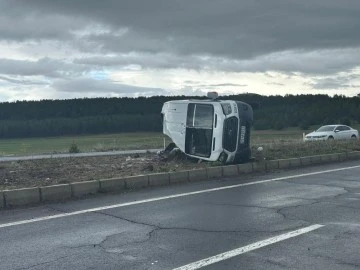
(55, 193)
(272, 165)
(316, 160)
(334, 157)
(245, 168)
(79, 189)
(326, 158)
(2, 200)
(284, 163)
(134, 182)
(112, 184)
(214, 172)
(294, 162)
(159, 179)
(22, 196)
(342, 156)
(305, 161)
(230, 170)
(256, 167)
(353, 155)
(197, 175)
(179, 177)
(9, 198)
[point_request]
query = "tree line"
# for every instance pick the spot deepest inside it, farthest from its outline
(110, 115)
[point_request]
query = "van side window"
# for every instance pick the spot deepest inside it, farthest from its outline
(200, 115)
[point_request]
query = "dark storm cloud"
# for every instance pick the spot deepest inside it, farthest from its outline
(147, 60)
(232, 28)
(42, 67)
(88, 85)
(313, 62)
(317, 37)
(22, 81)
(339, 82)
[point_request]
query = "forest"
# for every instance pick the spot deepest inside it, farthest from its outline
(46, 118)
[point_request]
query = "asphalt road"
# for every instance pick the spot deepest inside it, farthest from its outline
(299, 219)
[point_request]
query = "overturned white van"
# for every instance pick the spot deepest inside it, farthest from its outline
(213, 130)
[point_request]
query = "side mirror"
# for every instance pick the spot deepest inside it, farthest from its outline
(336, 131)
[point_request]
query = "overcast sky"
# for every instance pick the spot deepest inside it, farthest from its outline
(53, 49)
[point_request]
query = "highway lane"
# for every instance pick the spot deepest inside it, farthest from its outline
(299, 219)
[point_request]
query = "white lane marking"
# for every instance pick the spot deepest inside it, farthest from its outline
(169, 197)
(241, 250)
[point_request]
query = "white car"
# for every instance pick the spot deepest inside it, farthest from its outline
(332, 132)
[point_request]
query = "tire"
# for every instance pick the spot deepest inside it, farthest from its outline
(170, 147)
(330, 138)
(353, 137)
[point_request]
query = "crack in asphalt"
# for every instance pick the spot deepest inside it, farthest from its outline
(43, 263)
(318, 185)
(278, 210)
(347, 189)
(157, 227)
(337, 261)
(275, 263)
(243, 232)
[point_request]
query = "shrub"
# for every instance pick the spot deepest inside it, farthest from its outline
(74, 148)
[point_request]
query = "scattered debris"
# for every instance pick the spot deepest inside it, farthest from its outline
(149, 167)
(54, 171)
(259, 154)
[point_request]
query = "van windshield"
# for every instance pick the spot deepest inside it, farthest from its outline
(199, 129)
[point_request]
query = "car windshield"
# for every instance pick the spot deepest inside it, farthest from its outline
(325, 129)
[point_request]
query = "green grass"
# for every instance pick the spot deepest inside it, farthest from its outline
(122, 141)
(271, 136)
(278, 136)
(128, 141)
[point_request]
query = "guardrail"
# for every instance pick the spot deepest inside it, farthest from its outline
(36, 195)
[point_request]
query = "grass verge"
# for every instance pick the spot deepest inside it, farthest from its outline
(29, 173)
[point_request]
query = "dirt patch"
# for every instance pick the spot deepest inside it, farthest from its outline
(44, 172)
(30, 173)
(300, 149)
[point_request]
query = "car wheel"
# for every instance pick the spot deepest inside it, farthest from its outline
(330, 138)
(353, 137)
